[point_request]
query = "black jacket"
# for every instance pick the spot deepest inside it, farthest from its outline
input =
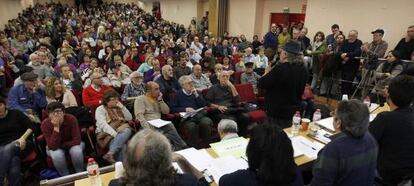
(284, 86)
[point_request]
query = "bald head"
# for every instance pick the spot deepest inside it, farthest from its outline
(152, 89)
(197, 70)
(167, 72)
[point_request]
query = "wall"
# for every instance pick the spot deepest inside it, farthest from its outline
(10, 8)
(179, 11)
(241, 17)
(393, 17)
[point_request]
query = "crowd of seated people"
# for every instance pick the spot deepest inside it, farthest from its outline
(130, 67)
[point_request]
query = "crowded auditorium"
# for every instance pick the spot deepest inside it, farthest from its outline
(206, 92)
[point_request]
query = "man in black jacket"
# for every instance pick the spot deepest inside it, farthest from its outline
(350, 49)
(284, 84)
(394, 132)
(406, 45)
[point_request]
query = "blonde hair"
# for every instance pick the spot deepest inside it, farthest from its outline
(50, 87)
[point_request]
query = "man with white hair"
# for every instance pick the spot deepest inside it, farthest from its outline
(227, 129)
(188, 100)
(200, 81)
(349, 50)
(249, 56)
(43, 71)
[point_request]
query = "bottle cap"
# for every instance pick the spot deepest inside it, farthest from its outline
(91, 160)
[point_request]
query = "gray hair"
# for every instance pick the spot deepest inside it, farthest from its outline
(295, 58)
(183, 79)
(227, 126)
(354, 117)
(135, 74)
(156, 161)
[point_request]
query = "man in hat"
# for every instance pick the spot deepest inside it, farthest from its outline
(28, 97)
(378, 47)
(249, 76)
(284, 83)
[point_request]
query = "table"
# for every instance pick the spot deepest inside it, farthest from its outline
(302, 161)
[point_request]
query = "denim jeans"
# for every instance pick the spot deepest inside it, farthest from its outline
(171, 133)
(10, 164)
(117, 145)
(59, 159)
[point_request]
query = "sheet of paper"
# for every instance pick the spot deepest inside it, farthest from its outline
(226, 165)
(198, 158)
(235, 147)
(177, 168)
(373, 107)
(309, 148)
(327, 123)
(158, 123)
(190, 114)
(372, 117)
(323, 136)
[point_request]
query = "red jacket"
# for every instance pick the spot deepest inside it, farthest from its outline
(91, 97)
(68, 136)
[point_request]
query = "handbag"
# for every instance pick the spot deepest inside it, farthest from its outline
(103, 138)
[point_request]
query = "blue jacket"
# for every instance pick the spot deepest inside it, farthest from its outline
(270, 41)
(182, 101)
(20, 99)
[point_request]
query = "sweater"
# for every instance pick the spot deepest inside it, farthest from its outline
(346, 161)
(69, 99)
(394, 132)
(68, 136)
(352, 50)
(91, 97)
(102, 119)
(284, 86)
(146, 110)
(182, 101)
(405, 48)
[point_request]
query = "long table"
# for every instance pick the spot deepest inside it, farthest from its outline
(302, 161)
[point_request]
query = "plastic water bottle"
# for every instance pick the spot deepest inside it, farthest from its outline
(317, 115)
(296, 123)
(93, 173)
(367, 101)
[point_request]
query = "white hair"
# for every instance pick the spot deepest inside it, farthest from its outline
(227, 126)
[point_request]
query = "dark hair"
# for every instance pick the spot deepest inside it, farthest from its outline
(3, 100)
(401, 90)
(354, 117)
(388, 67)
(55, 105)
(270, 152)
(107, 95)
(319, 33)
(335, 26)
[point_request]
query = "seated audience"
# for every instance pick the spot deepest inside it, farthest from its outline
(261, 61)
(135, 88)
(182, 69)
(200, 81)
(385, 72)
(105, 80)
(270, 158)
(62, 135)
(167, 83)
(145, 165)
(15, 130)
(112, 128)
(150, 106)
(154, 72)
(56, 92)
(188, 100)
(249, 75)
(394, 132)
(228, 65)
(350, 158)
(27, 97)
(71, 80)
(43, 71)
(92, 95)
(224, 98)
(227, 129)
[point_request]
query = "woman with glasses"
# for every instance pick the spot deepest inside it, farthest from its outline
(62, 135)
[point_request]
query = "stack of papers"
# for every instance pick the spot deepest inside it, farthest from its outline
(235, 147)
(326, 123)
(200, 159)
(190, 114)
(323, 136)
(309, 148)
(373, 107)
(158, 123)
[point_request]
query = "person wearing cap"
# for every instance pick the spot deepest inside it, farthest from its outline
(284, 84)
(378, 47)
(28, 97)
(249, 76)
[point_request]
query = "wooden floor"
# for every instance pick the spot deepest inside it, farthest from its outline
(329, 102)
